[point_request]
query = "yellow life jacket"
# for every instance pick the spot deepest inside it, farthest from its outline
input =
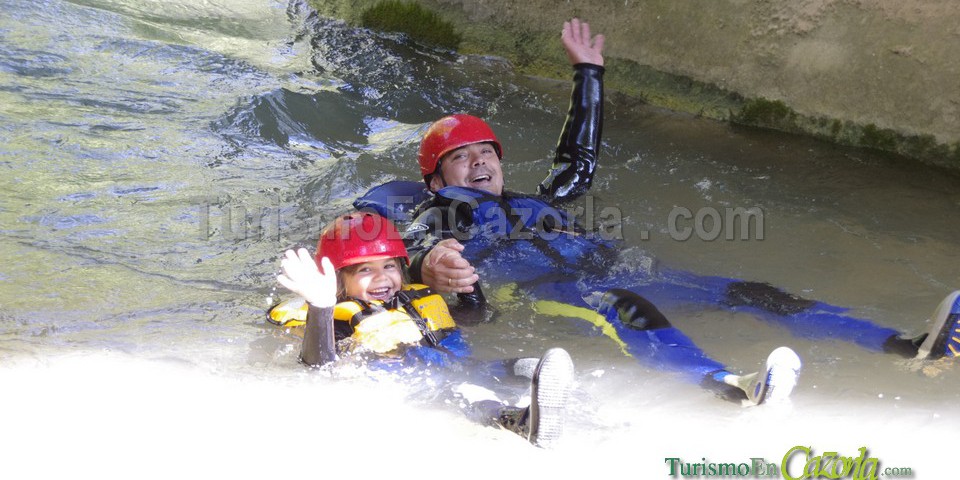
(415, 313)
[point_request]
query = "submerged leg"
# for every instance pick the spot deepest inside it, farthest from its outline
(638, 317)
(643, 331)
(817, 320)
(803, 317)
(648, 334)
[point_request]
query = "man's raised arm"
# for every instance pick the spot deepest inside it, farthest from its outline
(579, 145)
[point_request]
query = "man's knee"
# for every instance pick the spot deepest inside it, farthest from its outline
(633, 310)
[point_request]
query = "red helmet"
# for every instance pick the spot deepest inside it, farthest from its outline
(451, 133)
(359, 237)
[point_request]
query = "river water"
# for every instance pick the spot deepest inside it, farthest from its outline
(159, 156)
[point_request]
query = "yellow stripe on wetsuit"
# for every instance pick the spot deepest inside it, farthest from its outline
(559, 309)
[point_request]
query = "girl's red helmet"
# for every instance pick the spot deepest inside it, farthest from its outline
(359, 237)
(451, 133)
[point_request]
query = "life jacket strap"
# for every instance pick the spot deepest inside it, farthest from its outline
(404, 299)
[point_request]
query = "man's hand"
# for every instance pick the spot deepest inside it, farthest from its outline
(578, 44)
(445, 270)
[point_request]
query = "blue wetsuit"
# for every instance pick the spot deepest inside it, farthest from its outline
(538, 255)
(527, 240)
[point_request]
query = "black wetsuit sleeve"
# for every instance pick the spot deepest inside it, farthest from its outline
(439, 221)
(422, 235)
(318, 346)
(579, 145)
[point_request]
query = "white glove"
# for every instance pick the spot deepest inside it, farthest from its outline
(301, 276)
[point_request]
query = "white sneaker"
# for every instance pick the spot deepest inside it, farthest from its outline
(943, 338)
(550, 389)
(775, 382)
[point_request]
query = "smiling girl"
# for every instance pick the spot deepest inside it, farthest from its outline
(358, 299)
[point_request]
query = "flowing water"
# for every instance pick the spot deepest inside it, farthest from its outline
(158, 157)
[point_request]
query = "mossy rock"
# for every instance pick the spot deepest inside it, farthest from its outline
(410, 18)
(761, 112)
(880, 138)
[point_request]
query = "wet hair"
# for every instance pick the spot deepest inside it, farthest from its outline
(352, 270)
(437, 173)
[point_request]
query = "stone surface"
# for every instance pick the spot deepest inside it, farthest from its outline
(878, 73)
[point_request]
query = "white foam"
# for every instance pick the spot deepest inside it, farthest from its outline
(110, 416)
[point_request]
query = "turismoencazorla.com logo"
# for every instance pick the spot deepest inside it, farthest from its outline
(799, 463)
(267, 217)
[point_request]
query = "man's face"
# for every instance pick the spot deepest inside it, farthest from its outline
(476, 166)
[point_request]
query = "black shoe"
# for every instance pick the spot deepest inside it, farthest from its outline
(516, 420)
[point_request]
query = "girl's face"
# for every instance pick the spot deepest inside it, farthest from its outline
(374, 280)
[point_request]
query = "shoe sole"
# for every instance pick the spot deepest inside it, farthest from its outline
(946, 341)
(552, 382)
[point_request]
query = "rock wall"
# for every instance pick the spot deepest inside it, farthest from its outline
(883, 74)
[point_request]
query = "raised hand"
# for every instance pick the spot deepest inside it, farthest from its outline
(580, 47)
(301, 276)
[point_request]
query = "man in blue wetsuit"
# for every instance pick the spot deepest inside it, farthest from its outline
(462, 151)
(471, 224)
